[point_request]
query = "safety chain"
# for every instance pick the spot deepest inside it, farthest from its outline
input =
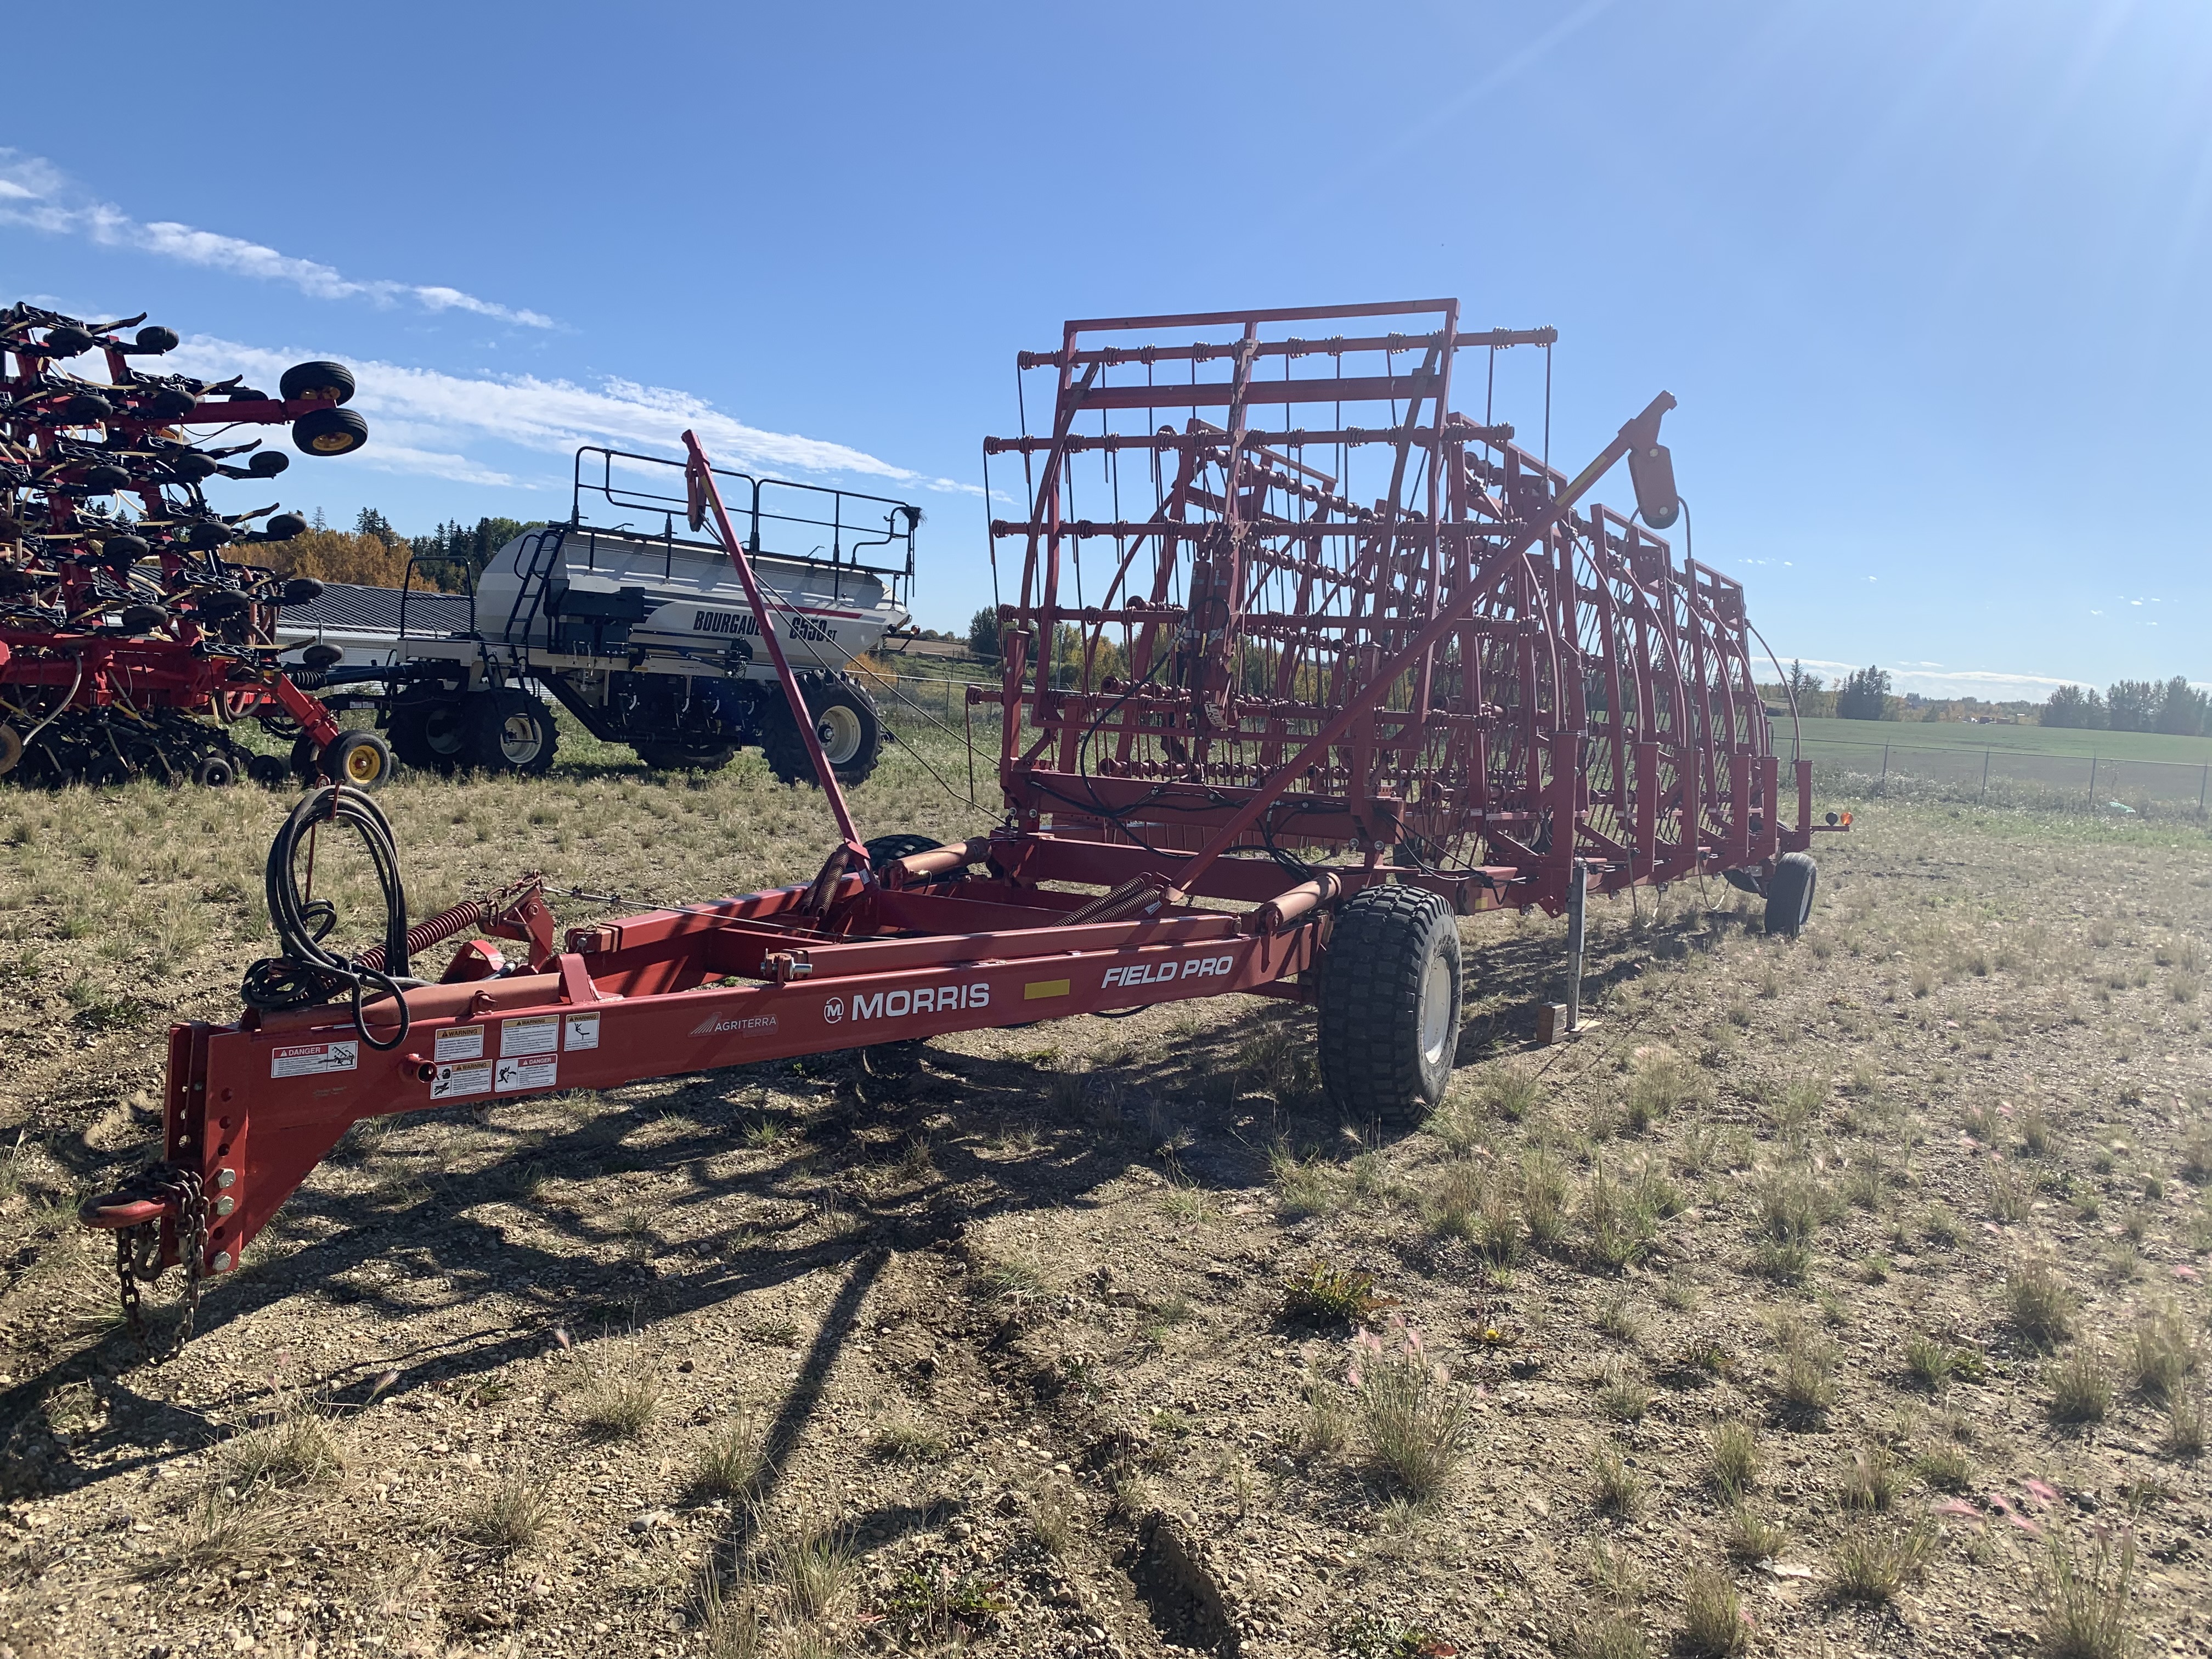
(138, 1250)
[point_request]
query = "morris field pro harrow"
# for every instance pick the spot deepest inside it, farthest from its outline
(1300, 663)
(130, 640)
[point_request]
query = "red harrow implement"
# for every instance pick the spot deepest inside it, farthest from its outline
(1329, 663)
(120, 631)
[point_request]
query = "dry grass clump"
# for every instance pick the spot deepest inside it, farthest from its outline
(1661, 1082)
(1303, 1187)
(1875, 1561)
(1413, 1420)
(812, 1569)
(1615, 1635)
(618, 1403)
(2039, 1303)
(1929, 1362)
(2085, 1613)
(1511, 1091)
(731, 1462)
(296, 1448)
(1946, 1467)
(509, 1517)
(1615, 1489)
(1735, 1458)
(2010, 1198)
(1713, 1622)
(217, 1534)
(1805, 1378)
(1540, 1186)
(903, 1442)
(1871, 1482)
(2166, 1352)
(1622, 1396)
(2081, 1389)
(1752, 1537)
(1617, 1229)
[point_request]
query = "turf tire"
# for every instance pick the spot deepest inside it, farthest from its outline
(1379, 998)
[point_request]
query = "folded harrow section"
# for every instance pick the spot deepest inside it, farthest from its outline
(1233, 521)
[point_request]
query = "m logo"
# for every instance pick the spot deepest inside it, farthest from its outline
(834, 1009)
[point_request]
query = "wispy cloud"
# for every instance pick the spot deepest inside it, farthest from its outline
(36, 194)
(1995, 684)
(422, 420)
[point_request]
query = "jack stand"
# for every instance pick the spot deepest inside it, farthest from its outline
(1557, 1021)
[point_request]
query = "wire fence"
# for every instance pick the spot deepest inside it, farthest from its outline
(2011, 777)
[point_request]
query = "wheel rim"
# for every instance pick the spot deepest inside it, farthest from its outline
(839, 729)
(362, 763)
(518, 739)
(1435, 1008)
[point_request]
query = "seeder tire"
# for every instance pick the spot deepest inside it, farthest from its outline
(851, 730)
(1390, 989)
(216, 772)
(268, 771)
(510, 731)
(1789, 894)
(431, 735)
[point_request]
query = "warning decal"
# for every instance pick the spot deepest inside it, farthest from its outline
(461, 1077)
(528, 1071)
(313, 1059)
(540, 1034)
(581, 1031)
(460, 1042)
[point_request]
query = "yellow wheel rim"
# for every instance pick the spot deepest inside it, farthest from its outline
(333, 443)
(362, 764)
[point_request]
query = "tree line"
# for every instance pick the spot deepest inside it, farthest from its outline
(375, 554)
(2175, 708)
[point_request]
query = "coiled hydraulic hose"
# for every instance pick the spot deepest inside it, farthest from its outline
(307, 972)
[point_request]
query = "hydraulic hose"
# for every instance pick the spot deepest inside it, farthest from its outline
(307, 972)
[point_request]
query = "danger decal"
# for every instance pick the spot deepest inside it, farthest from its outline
(313, 1059)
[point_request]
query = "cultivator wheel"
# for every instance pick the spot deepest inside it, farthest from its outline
(1390, 995)
(1789, 894)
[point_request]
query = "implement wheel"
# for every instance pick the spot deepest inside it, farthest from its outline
(1789, 894)
(852, 735)
(431, 734)
(510, 731)
(1390, 987)
(361, 759)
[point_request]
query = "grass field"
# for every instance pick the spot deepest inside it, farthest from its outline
(2017, 740)
(1758, 1320)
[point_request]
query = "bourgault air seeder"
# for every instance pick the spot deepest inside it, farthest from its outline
(128, 642)
(1301, 662)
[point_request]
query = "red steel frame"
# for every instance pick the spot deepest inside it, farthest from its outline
(99, 670)
(1469, 685)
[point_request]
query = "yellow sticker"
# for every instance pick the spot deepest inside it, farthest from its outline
(1037, 989)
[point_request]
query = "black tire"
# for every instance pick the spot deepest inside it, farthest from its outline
(1390, 990)
(360, 759)
(509, 731)
(306, 760)
(329, 432)
(852, 735)
(216, 772)
(432, 735)
(1789, 894)
(144, 618)
(683, 757)
(267, 463)
(882, 848)
(330, 383)
(268, 771)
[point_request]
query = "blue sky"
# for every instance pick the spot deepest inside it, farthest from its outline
(1932, 283)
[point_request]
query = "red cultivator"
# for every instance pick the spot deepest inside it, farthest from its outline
(1355, 662)
(117, 630)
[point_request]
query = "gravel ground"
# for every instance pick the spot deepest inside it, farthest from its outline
(990, 1343)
